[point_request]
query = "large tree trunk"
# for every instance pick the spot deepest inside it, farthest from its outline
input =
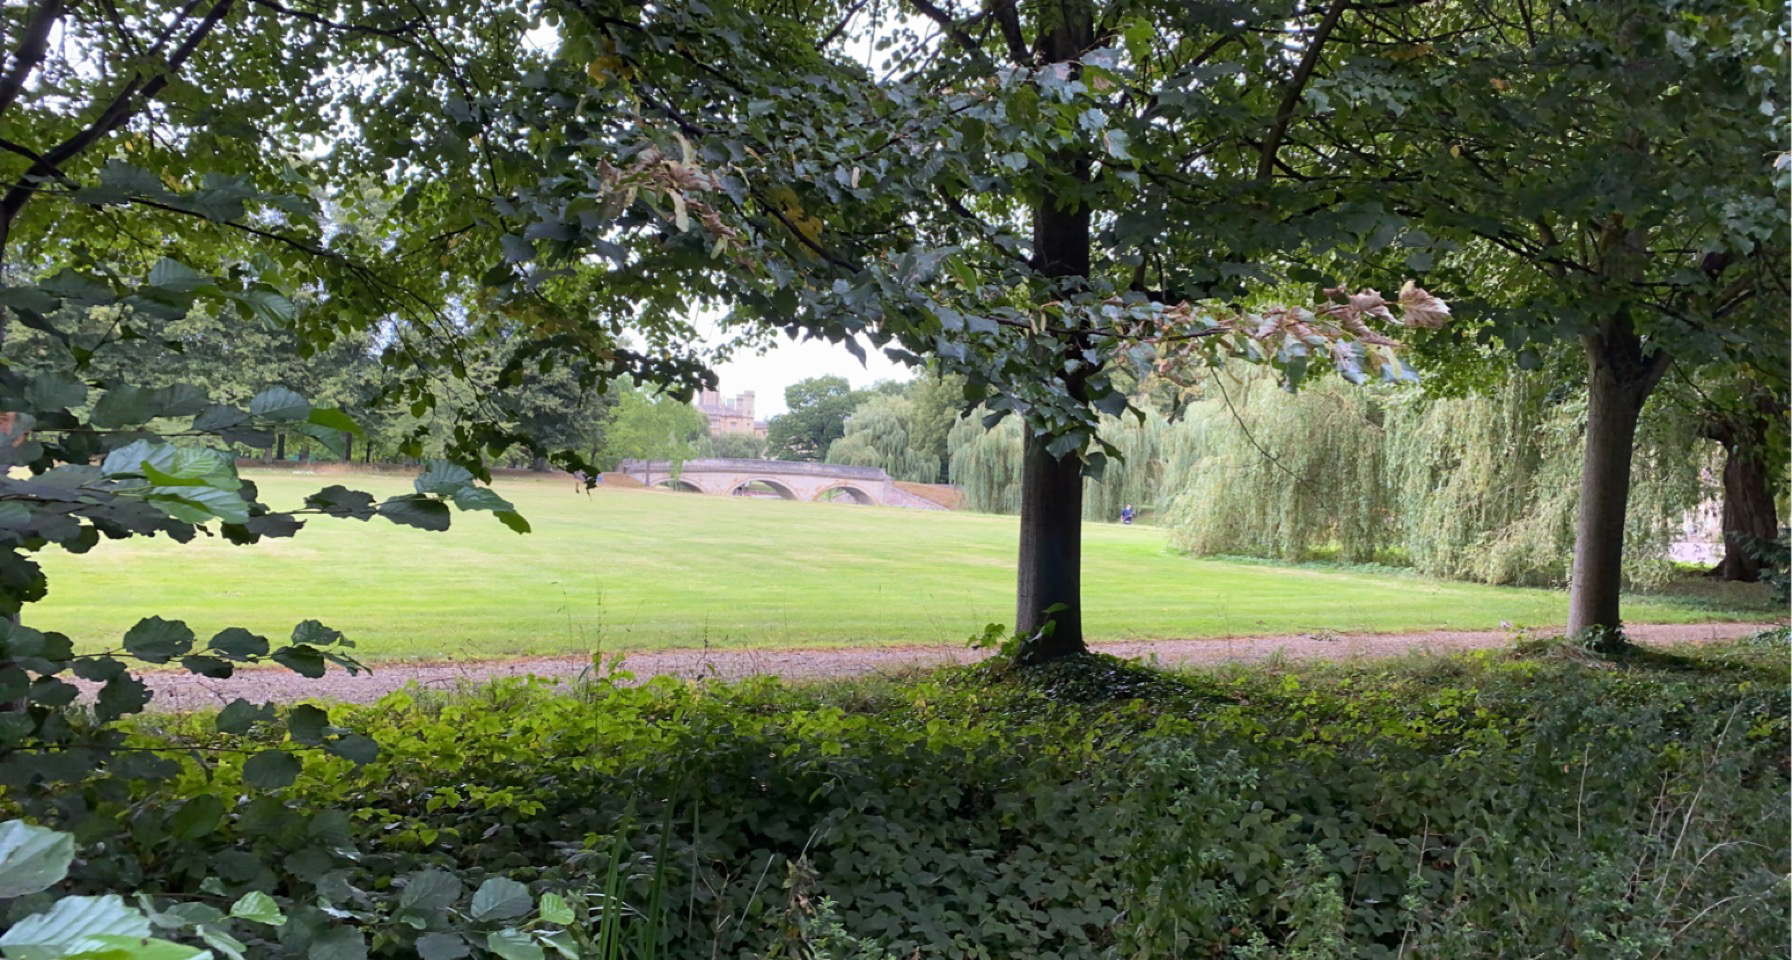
(1749, 513)
(1621, 373)
(1051, 554)
(1049, 581)
(279, 446)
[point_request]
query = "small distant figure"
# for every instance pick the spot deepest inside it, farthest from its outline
(1126, 515)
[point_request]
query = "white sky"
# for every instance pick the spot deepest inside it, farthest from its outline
(768, 373)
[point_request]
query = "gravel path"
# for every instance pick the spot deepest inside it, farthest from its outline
(181, 691)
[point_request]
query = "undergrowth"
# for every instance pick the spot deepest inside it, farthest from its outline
(1485, 806)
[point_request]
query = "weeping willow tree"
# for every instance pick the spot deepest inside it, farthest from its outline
(1265, 473)
(1488, 483)
(985, 462)
(877, 435)
(1482, 487)
(986, 465)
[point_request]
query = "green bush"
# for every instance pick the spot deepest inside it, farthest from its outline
(1489, 807)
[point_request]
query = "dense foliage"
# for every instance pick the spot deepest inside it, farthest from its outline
(1486, 808)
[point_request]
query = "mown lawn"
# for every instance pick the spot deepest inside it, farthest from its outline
(632, 569)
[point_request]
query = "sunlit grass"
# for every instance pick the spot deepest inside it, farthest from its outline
(631, 569)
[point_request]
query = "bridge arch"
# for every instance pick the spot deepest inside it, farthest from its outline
(782, 490)
(676, 485)
(845, 493)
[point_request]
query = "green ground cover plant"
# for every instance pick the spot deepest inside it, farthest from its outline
(625, 569)
(1547, 802)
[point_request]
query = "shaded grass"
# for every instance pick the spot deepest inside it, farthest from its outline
(622, 569)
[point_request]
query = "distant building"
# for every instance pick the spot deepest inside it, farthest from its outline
(729, 416)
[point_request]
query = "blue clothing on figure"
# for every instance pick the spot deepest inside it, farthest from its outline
(1126, 514)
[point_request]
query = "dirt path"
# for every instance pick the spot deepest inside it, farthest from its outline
(180, 691)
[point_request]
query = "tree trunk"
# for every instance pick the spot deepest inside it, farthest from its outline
(348, 447)
(1051, 554)
(367, 452)
(1051, 501)
(1621, 373)
(1749, 513)
(279, 446)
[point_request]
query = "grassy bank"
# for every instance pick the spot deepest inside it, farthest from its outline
(626, 569)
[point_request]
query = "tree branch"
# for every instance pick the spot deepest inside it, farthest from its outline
(840, 27)
(30, 52)
(123, 107)
(403, 33)
(1309, 61)
(1009, 21)
(955, 31)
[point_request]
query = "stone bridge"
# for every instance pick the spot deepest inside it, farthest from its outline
(784, 479)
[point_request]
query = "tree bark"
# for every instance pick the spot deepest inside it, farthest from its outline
(1051, 555)
(279, 446)
(1749, 513)
(1049, 577)
(348, 447)
(1621, 373)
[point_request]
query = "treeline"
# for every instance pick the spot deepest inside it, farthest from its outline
(1478, 486)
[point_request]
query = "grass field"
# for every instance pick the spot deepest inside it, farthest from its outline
(630, 569)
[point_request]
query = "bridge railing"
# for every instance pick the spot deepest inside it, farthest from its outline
(769, 467)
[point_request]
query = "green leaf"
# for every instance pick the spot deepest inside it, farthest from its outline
(442, 477)
(501, 898)
(1117, 142)
(113, 947)
(417, 510)
(307, 724)
(122, 695)
(53, 390)
(71, 924)
(429, 891)
(267, 304)
(176, 277)
(512, 944)
(555, 910)
(220, 417)
(224, 943)
(271, 770)
(235, 643)
(356, 748)
(205, 666)
(302, 659)
(240, 716)
(338, 943)
(318, 635)
(442, 946)
(123, 406)
(334, 420)
(258, 907)
(513, 520)
(472, 497)
(167, 465)
(197, 505)
(339, 501)
(154, 640)
(32, 858)
(198, 817)
(279, 404)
